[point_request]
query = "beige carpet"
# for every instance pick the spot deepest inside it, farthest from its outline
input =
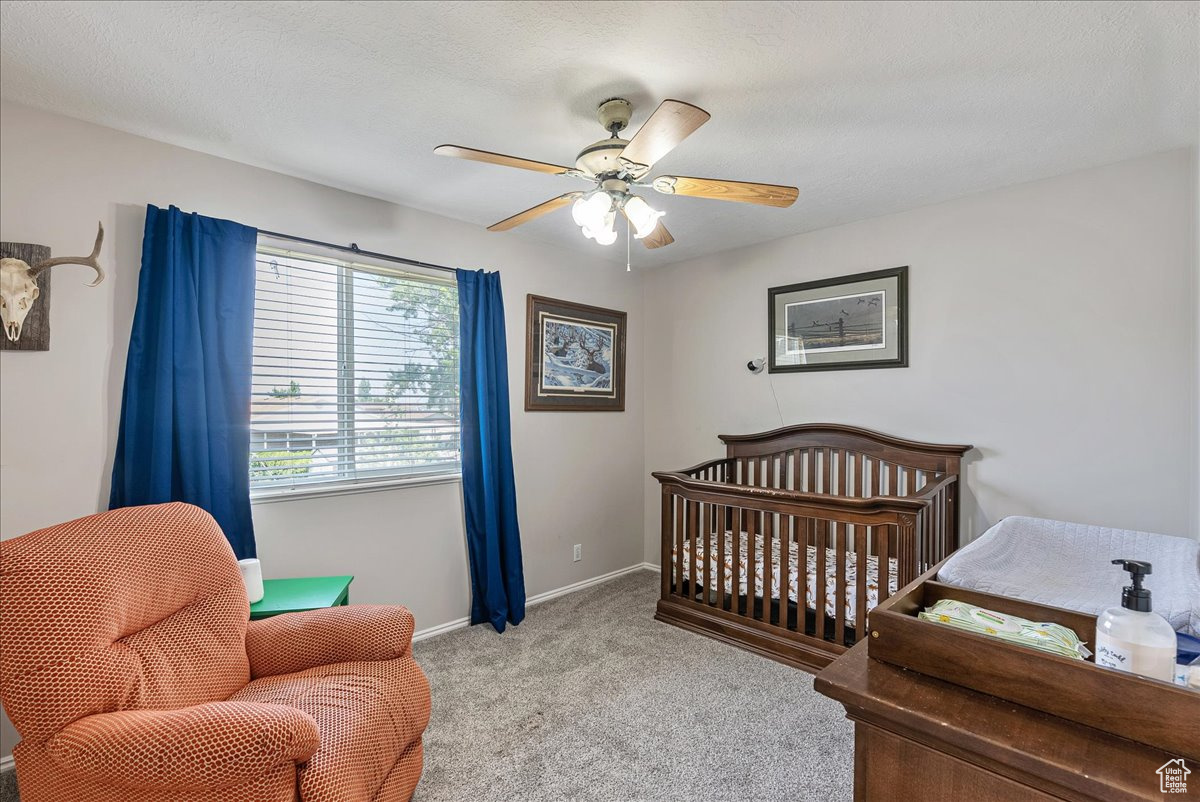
(591, 699)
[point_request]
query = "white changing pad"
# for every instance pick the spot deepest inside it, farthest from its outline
(1069, 565)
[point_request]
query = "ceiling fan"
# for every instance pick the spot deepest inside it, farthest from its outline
(616, 166)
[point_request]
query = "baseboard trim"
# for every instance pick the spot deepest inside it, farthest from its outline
(6, 763)
(577, 586)
(533, 601)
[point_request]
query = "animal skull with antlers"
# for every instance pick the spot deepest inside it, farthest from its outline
(19, 289)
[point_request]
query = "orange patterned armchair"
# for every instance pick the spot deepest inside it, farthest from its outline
(130, 669)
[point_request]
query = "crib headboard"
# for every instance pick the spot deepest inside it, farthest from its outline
(906, 453)
(903, 466)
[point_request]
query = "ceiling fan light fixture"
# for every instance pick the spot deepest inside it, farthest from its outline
(590, 210)
(603, 236)
(643, 217)
(595, 213)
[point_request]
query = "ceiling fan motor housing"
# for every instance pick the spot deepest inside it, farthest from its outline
(614, 113)
(600, 157)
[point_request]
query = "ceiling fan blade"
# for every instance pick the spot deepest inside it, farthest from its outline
(671, 123)
(534, 212)
(657, 238)
(737, 191)
(499, 158)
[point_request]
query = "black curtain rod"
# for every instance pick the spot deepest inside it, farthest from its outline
(353, 248)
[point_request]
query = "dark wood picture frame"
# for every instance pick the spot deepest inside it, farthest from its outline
(35, 334)
(900, 360)
(539, 311)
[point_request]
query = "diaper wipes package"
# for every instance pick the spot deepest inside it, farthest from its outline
(1052, 638)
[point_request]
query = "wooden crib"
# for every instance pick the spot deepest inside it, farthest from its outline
(766, 548)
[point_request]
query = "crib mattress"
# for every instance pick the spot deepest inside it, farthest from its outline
(695, 565)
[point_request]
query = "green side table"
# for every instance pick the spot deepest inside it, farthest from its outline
(301, 593)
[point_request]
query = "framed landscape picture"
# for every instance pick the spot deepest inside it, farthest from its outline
(845, 323)
(574, 357)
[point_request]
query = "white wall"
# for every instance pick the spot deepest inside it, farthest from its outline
(58, 409)
(1052, 324)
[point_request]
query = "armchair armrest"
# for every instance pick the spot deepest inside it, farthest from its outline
(292, 642)
(208, 746)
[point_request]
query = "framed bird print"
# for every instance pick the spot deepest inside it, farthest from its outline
(844, 323)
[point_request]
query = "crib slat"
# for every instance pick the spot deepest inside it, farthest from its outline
(693, 514)
(820, 540)
(910, 481)
(802, 575)
(932, 526)
(876, 470)
(703, 518)
(721, 555)
(893, 471)
(843, 457)
(885, 565)
(935, 526)
(861, 564)
(771, 470)
(751, 561)
(787, 533)
(839, 592)
(943, 523)
(768, 563)
(738, 522)
(679, 547)
(940, 506)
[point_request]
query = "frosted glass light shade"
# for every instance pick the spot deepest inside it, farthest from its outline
(606, 235)
(596, 214)
(590, 210)
(644, 218)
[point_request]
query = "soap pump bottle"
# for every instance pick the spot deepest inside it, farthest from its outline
(1131, 637)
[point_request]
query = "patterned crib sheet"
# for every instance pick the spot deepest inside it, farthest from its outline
(810, 593)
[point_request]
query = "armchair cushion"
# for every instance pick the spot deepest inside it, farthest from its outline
(285, 644)
(207, 746)
(370, 716)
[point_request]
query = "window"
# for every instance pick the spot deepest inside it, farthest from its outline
(355, 373)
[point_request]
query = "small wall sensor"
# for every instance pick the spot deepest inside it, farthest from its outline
(756, 365)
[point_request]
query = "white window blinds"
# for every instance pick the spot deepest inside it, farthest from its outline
(355, 372)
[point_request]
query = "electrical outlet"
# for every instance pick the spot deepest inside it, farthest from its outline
(578, 554)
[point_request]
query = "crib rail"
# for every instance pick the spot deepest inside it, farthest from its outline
(786, 544)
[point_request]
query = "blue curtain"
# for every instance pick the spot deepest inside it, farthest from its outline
(185, 412)
(489, 491)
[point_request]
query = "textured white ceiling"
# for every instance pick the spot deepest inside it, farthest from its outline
(869, 108)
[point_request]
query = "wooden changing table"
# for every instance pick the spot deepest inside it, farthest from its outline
(944, 714)
(920, 738)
